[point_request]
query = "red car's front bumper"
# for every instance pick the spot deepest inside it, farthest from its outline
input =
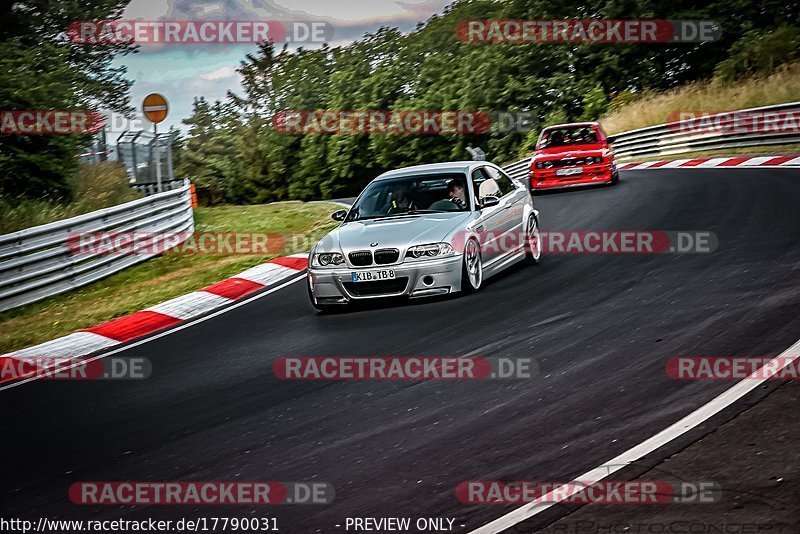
(591, 174)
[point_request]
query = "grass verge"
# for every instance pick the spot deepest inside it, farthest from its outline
(715, 95)
(94, 186)
(166, 276)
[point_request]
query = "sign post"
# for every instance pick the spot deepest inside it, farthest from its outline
(155, 109)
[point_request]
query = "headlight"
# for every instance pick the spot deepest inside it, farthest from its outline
(548, 164)
(597, 159)
(327, 258)
(539, 165)
(430, 251)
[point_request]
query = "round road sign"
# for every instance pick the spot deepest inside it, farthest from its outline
(155, 107)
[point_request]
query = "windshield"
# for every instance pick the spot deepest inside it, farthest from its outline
(409, 195)
(571, 135)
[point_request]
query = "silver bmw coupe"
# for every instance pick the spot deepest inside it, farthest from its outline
(422, 231)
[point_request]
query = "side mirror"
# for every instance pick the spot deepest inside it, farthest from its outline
(489, 201)
(339, 215)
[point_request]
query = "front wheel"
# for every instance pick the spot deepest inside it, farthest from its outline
(533, 246)
(472, 268)
(614, 177)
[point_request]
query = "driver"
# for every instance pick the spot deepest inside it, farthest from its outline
(457, 193)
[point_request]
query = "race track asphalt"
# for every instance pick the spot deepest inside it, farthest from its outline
(600, 326)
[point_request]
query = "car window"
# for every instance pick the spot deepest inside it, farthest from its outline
(568, 135)
(503, 182)
(483, 185)
(392, 197)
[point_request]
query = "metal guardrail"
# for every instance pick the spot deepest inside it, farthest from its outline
(677, 137)
(519, 170)
(691, 136)
(38, 262)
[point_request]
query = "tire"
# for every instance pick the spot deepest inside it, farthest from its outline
(614, 177)
(471, 268)
(531, 256)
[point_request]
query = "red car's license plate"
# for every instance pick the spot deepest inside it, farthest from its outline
(569, 172)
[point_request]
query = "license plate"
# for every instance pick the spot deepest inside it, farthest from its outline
(569, 172)
(369, 276)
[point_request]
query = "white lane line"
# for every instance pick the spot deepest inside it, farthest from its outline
(165, 333)
(700, 415)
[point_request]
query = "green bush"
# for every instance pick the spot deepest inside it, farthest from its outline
(92, 187)
(760, 52)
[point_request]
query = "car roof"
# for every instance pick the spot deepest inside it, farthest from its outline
(572, 124)
(431, 168)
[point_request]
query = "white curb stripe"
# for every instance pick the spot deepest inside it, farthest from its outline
(183, 307)
(674, 164)
(713, 162)
(755, 161)
(266, 273)
(69, 346)
(644, 165)
(178, 328)
(190, 305)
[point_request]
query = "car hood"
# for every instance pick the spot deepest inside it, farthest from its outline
(395, 232)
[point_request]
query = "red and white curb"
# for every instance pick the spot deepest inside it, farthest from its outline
(166, 314)
(705, 163)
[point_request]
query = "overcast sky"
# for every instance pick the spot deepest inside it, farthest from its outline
(181, 72)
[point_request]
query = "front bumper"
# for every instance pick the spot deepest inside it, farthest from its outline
(419, 279)
(592, 174)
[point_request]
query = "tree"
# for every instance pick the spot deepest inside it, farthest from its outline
(41, 70)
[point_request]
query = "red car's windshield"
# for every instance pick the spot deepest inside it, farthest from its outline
(568, 135)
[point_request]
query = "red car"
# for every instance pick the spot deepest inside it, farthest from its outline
(569, 155)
